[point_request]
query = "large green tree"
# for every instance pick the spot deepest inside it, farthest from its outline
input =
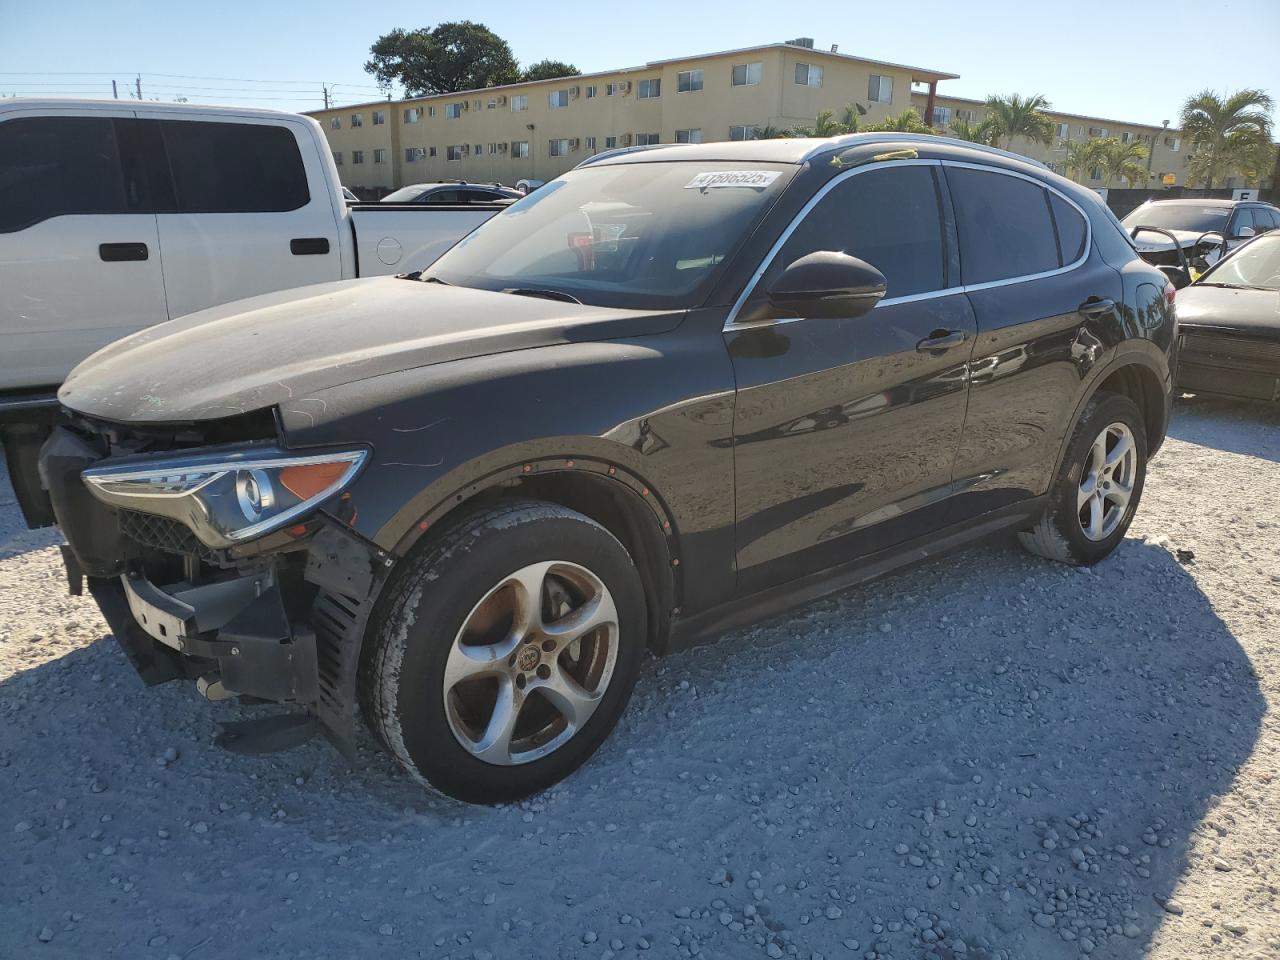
(1122, 161)
(549, 70)
(983, 132)
(1225, 132)
(1017, 116)
(447, 58)
(1082, 156)
(908, 121)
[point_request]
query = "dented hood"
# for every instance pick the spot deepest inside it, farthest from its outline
(259, 352)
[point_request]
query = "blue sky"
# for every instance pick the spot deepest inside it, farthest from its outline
(1131, 62)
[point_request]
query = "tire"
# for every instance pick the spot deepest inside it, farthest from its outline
(457, 647)
(1085, 521)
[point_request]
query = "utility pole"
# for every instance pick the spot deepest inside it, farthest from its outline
(115, 94)
(138, 83)
(325, 88)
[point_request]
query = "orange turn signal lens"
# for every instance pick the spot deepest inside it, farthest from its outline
(311, 479)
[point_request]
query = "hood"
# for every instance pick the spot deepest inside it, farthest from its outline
(1148, 241)
(256, 353)
(1251, 313)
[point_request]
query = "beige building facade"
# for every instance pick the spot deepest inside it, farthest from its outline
(1165, 150)
(539, 130)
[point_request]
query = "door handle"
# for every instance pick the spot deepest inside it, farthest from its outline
(119, 252)
(1095, 307)
(941, 340)
(308, 246)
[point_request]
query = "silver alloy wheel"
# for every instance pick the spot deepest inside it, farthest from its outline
(1106, 482)
(531, 663)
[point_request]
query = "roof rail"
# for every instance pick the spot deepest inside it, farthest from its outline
(619, 151)
(853, 139)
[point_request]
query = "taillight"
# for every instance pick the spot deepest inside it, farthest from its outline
(1170, 292)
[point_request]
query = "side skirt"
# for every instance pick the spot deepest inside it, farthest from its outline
(775, 600)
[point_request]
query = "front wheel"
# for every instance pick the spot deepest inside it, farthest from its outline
(1096, 493)
(506, 652)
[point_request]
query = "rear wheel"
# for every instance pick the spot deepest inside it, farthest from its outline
(507, 652)
(1098, 488)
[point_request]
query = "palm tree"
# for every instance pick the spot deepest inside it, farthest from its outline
(851, 117)
(1120, 160)
(908, 121)
(826, 125)
(1223, 130)
(1017, 116)
(1082, 156)
(769, 132)
(983, 132)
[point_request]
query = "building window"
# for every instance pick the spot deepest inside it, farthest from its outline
(1097, 132)
(650, 89)
(688, 81)
(644, 139)
(591, 144)
(558, 98)
(808, 75)
(742, 133)
(357, 120)
(1095, 173)
(519, 148)
(357, 156)
(614, 89)
(880, 89)
(476, 105)
(431, 151)
(379, 117)
(410, 154)
(479, 149)
(379, 156)
(337, 158)
(412, 115)
(941, 116)
(453, 111)
(455, 152)
(431, 111)
(591, 92)
(1173, 143)
(747, 74)
(557, 148)
(967, 115)
(335, 123)
(693, 135)
(1063, 131)
(519, 102)
(610, 143)
(1125, 136)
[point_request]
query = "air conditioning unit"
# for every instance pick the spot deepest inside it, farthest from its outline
(574, 144)
(502, 148)
(624, 87)
(466, 149)
(573, 93)
(502, 101)
(625, 140)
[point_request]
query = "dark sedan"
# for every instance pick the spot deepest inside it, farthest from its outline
(1230, 325)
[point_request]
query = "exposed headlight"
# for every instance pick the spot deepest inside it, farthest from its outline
(227, 498)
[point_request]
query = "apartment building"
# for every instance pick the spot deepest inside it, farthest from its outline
(539, 130)
(1165, 149)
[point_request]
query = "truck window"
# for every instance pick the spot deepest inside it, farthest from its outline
(234, 167)
(54, 166)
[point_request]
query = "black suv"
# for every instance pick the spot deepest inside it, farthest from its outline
(674, 390)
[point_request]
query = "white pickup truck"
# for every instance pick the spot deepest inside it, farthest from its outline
(117, 216)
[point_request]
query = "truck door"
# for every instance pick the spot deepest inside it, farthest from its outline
(79, 252)
(250, 210)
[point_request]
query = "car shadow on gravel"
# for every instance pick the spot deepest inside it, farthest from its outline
(985, 756)
(1231, 425)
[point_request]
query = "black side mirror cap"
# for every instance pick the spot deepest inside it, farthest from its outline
(828, 284)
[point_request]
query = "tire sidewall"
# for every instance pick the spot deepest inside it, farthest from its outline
(433, 608)
(1101, 412)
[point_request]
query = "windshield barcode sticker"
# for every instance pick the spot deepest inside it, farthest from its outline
(732, 178)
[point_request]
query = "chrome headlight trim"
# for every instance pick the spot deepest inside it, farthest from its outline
(186, 489)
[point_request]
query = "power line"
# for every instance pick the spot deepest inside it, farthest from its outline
(170, 76)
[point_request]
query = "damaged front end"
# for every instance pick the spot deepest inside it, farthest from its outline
(217, 555)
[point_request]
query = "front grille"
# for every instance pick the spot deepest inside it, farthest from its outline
(1260, 354)
(163, 534)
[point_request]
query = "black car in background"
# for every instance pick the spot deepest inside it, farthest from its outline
(674, 390)
(1229, 325)
(457, 191)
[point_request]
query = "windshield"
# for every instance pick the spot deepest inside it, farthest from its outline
(1179, 216)
(1256, 265)
(642, 235)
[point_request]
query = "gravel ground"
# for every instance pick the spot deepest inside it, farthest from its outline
(988, 756)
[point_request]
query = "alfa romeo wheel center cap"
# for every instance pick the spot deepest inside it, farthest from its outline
(529, 658)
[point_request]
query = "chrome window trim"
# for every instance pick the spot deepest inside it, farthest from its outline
(731, 322)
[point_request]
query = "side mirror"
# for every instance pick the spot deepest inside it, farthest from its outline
(1177, 276)
(827, 284)
(1244, 233)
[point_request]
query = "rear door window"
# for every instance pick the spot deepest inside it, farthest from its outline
(234, 167)
(1243, 218)
(54, 166)
(1005, 227)
(1072, 230)
(889, 218)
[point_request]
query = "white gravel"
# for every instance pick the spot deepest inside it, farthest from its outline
(988, 756)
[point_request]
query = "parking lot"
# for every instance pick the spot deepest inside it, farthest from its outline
(988, 756)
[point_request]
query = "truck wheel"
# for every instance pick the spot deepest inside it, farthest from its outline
(506, 651)
(1096, 494)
